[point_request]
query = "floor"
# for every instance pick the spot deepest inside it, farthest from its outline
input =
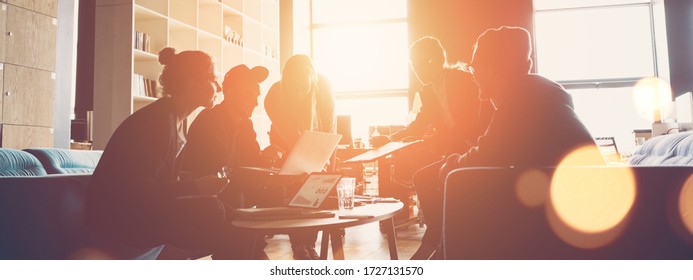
(364, 242)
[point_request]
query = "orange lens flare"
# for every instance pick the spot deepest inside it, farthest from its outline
(532, 188)
(589, 206)
(686, 205)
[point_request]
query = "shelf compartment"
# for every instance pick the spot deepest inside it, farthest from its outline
(234, 4)
(158, 6)
(210, 18)
(252, 35)
(270, 14)
(253, 9)
(153, 25)
(233, 55)
(185, 11)
(181, 36)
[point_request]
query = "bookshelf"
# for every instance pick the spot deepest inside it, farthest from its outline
(129, 34)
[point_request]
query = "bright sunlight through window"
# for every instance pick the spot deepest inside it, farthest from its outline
(361, 46)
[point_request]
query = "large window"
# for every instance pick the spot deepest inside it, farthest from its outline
(361, 47)
(599, 50)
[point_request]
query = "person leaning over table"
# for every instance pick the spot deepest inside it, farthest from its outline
(134, 195)
(533, 124)
(302, 100)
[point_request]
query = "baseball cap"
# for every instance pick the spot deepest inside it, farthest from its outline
(242, 74)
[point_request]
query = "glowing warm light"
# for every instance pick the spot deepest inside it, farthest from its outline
(652, 97)
(686, 204)
(589, 206)
(591, 200)
(532, 188)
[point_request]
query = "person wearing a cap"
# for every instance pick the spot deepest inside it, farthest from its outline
(302, 100)
(135, 196)
(533, 125)
(224, 137)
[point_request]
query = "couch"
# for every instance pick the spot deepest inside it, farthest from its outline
(636, 211)
(19, 163)
(670, 150)
(42, 208)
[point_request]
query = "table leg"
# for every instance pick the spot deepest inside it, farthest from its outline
(337, 246)
(253, 247)
(389, 228)
(323, 245)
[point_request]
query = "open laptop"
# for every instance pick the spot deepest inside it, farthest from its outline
(314, 190)
(310, 154)
(304, 204)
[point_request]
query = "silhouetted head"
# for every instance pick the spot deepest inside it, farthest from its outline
(299, 76)
(427, 58)
(500, 56)
(242, 88)
(188, 76)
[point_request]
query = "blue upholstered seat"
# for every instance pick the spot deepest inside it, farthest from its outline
(673, 149)
(63, 161)
(19, 163)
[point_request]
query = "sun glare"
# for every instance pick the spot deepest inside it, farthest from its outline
(652, 97)
(594, 199)
(589, 206)
(686, 204)
(532, 188)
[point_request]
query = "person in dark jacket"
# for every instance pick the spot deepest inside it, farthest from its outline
(301, 101)
(451, 117)
(135, 196)
(533, 124)
(224, 136)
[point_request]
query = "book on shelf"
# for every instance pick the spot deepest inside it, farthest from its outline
(142, 41)
(142, 86)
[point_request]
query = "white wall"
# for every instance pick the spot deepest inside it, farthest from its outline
(65, 69)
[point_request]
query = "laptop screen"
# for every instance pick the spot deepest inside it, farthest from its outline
(310, 154)
(314, 190)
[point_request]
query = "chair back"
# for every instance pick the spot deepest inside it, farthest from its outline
(516, 213)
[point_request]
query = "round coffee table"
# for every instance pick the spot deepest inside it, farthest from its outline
(331, 227)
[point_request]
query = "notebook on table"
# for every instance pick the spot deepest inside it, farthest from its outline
(310, 154)
(304, 204)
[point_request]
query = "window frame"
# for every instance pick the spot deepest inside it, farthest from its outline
(608, 82)
(392, 92)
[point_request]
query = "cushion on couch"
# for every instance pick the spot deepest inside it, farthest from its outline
(64, 161)
(19, 163)
(672, 149)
